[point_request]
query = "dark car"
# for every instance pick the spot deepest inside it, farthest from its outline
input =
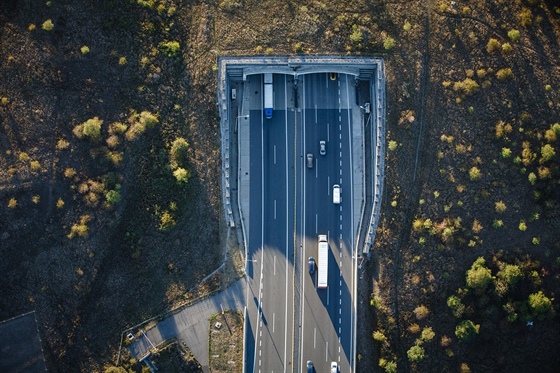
(311, 262)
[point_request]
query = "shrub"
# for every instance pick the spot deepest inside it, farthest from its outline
(113, 141)
(356, 35)
(500, 207)
(24, 157)
(36, 198)
(31, 27)
(415, 353)
(69, 172)
(466, 330)
(492, 45)
(511, 274)
(414, 328)
(48, 25)
(170, 48)
(35, 166)
(181, 175)
(421, 312)
(497, 223)
(178, 151)
(503, 74)
(427, 334)
(122, 61)
(114, 196)
(474, 173)
(90, 128)
(269, 51)
(536, 241)
(506, 152)
(547, 153)
(550, 135)
(146, 3)
(525, 16)
(59, 203)
(476, 226)
(506, 48)
(62, 144)
(467, 86)
(389, 43)
(514, 35)
(532, 178)
(379, 336)
(118, 128)
(407, 26)
(12, 203)
(544, 173)
(539, 303)
(418, 225)
(478, 276)
(80, 229)
(393, 145)
(522, 226)
(391, 367)
(84, 49)
(166, 221)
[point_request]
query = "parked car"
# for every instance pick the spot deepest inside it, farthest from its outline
(309, 160)
(322, 147)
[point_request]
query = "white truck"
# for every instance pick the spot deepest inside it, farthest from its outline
(268, 104)
(323, 265)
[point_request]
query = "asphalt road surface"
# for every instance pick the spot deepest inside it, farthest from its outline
(290, 320)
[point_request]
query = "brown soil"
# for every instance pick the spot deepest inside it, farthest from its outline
(86, 290)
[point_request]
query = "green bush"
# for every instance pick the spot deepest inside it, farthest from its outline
(474, 173)
(547, 152)
(493, 45)
(479, 276)
(415, 353)
(182, 175)
(539, 303)
(466, 330)
(393, 145)
(114, 196)
(356, 35)
(379, 336)
(170, 48)
(514, 35)
(178, 152)
(511, 274)
(389, 43)
(504, 74)
(427, 334)
(84, 49)
(391, 367)
(48, 25)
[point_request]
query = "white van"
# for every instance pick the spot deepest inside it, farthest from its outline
(337, 198)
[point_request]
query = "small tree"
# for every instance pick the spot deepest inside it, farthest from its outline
(479, 276)
(511, 274)
(474, 173)
(421, 312)
(492, 45)
(389, 43)
(415, 353)
(547, 153)
(514, 35)
(466, 330)
(500, 207)
(48, 25)
(540, 304)
(181, 175)
(427, 334)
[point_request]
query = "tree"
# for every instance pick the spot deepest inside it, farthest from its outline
(466, 330)
(479, 276)
(421, 312)
(90, 128)
(178, 151)
(389, 43)
(514, 35)
(539, 303)
(510, 273)
(181, 175)
(474, 173)
(415, 353)
(547, 152)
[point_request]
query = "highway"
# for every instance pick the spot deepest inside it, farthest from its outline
(290, 321)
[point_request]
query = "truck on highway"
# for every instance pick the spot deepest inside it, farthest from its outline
(268, 106)
(323, 258)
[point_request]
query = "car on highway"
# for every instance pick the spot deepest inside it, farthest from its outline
(334, 367)
(311, 262)
(309, 366)
(309, 160)
(322, 147)
(336, 194)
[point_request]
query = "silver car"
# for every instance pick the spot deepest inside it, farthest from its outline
(309, 160)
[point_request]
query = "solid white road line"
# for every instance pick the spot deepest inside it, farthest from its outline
(286, 263)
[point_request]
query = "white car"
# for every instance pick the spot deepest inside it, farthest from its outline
(322, 147)
(337, 198)
(334, 367)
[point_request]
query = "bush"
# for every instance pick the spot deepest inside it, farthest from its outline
(80, 229)
(114, 196)
(510, 273)
(12, 203)
(514, 35)
(539, 303)
(474, 173)
(379, 336)
(393, 145)
(427, 334)
(547, 153)
(532, 178)
(166, 221)
(178, 151)
(500, 207)
(391, 367)
(466, 330)
(84, 49)
(467, 86)
(48, 25)
(522, 226)
(356, 35)
(90, 128)
(59, 203)
(170, 48)
(492, 45)
(421, 312)
(503, 74)
(415, 353)
(389, 43)
(506, 152)
(506, 48)
(478, 276)
(182, 175)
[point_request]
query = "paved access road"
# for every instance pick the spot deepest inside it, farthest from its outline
(290, 321)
